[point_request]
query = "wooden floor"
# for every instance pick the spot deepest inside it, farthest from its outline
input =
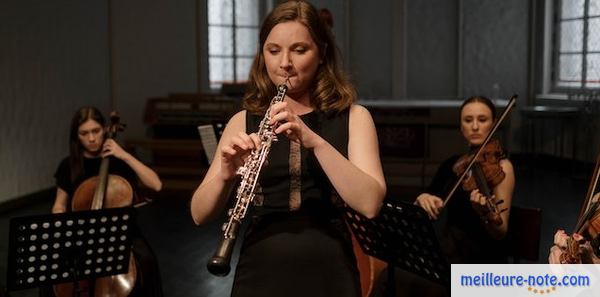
(183, 249)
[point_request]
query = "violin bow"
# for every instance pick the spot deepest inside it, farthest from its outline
(589, 208)
(510, 105)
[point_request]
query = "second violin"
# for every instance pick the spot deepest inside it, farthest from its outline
(486, 173)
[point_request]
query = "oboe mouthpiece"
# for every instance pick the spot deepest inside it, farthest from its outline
(285, 83)
(282, 88)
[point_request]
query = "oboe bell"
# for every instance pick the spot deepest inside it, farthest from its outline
(219, 264)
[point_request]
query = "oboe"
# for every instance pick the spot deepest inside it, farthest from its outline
(219, 263)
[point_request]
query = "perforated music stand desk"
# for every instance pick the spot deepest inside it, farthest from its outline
(68, 247)
(402, 235)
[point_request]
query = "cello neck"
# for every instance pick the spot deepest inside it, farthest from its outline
(111, 133)
(100, 193)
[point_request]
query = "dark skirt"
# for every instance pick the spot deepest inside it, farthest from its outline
(296, 255)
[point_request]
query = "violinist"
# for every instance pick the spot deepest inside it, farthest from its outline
(87, 147)
(583, 247)
(470, 235)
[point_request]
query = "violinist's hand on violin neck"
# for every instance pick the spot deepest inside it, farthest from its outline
(478, 202)
(483, 205)
(431, 204)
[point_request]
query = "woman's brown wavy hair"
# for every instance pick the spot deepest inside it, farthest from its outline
(331, 91)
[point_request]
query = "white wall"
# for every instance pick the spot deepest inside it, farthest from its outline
(53, 59)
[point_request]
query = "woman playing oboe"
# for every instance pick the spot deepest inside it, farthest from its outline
(326, 155)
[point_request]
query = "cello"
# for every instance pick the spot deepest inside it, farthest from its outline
(103, 191)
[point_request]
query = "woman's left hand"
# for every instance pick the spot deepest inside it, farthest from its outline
(112, 148)
(291, 125)
(479, 203)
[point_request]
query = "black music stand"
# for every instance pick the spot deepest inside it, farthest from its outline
(403, 236)
(68, 247)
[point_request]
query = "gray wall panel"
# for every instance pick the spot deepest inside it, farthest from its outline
(432, 49)
(53, 59)
(154, 54)
(495, 58)
(370, 47)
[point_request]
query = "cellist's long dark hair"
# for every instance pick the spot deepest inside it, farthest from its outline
(75, 147)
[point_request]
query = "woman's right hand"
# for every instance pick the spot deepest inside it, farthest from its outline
(431, 204)
(235, 152)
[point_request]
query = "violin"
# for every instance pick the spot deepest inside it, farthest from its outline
(103, 191)
(486, 173)
(588, 223)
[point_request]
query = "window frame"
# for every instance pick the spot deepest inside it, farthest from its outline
(216, 85)
(557, 21)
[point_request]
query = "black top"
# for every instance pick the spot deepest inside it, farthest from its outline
(91, 167)
(278, 178)
(465, 239)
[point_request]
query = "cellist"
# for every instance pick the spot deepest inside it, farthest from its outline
(88, 147)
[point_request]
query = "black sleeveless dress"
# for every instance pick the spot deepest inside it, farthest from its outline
(297, 243)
